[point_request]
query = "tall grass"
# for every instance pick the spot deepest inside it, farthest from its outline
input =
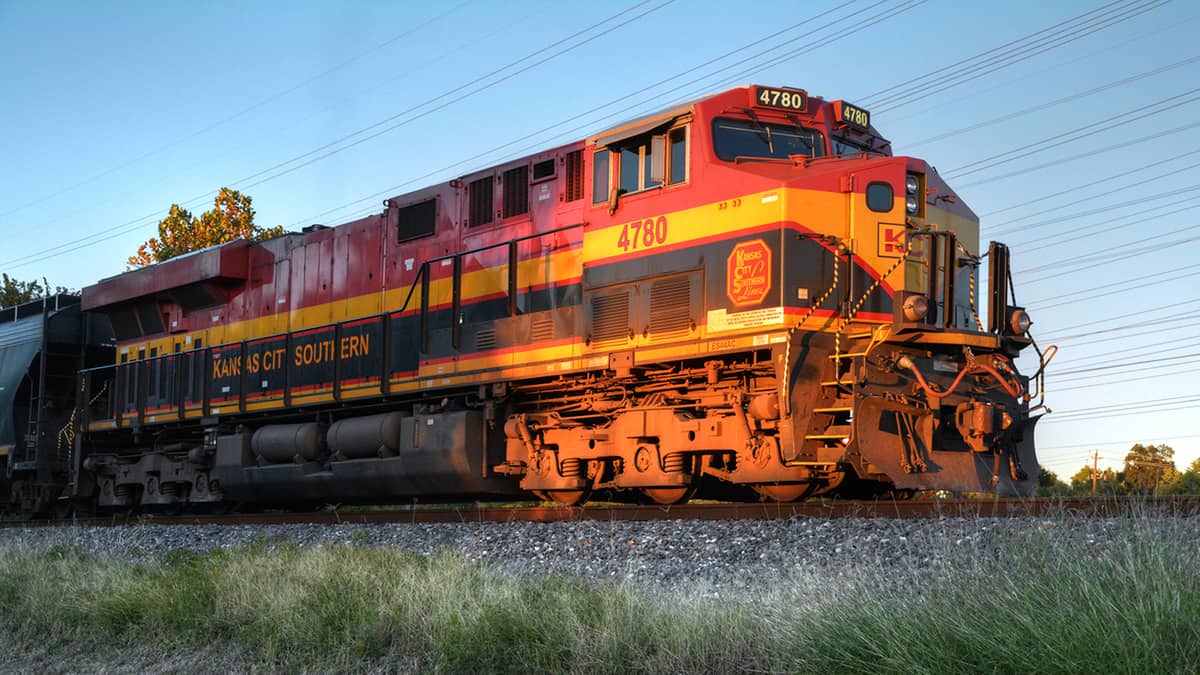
(1040, 601)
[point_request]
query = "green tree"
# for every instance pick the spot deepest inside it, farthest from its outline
(1148, 468)
(1049, 484)
(1188, 482)
(16, 292)
(1108, 482)
(231, 217)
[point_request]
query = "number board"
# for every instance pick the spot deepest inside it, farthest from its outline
(770, 97)
(852, 115)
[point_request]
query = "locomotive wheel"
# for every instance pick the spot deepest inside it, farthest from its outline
(677, 495)
(785, 493)
(564, 497)
(669, 496)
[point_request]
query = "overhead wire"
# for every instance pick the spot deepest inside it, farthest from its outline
(241, 112)
(1017, 55)
(1107, 124)
(1072, 264)
(1072, 297)
(1046, 105)
(1124, 188)
(859, 26)
(887, 93)
(1090, 230)
(1075, 188)
(131, 225)
(1090, 154)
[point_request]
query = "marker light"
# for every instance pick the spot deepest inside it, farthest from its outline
(915, 307)
(1020, 322)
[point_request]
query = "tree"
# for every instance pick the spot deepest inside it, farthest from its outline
(1148, 467)
(16, 292)
(1189, 481)
(231, 217)
(1049, 485)
(1108, 482)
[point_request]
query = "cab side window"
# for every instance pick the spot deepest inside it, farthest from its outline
(642, 162)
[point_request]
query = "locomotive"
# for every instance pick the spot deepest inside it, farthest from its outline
(741, 296)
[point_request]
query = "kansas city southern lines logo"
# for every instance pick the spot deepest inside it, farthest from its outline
(748, 273)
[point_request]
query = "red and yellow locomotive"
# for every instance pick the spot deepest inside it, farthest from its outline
(741, 294)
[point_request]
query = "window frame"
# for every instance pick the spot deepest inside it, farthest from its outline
(821, 139)
(644, 143)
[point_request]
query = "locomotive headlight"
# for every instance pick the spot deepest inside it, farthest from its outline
(915, 307)
(1020, 321)
(911, 205)
(911, 185)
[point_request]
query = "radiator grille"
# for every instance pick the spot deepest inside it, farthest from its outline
(610, 317)
(479, 194)
(574, 175)
(670, 308)
(485, 339)
(516, 191)
(542, 331)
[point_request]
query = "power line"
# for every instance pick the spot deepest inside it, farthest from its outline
(1104, 125)
(244, 111)
(1042, 107)
(1106, 208)
(1076, 264)
(970, 64)
(1142, 313)
(1075, 188)
(1091, 229)
(1190, 342)
(1068, 298)
(1090, 154)
(1153, 441)
(1142, 378)
(1152, 179)
(131, 225)
(865, 23)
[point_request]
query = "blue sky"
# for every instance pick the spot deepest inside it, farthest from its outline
(112, 111)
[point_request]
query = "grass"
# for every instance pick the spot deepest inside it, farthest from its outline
(1047, 602)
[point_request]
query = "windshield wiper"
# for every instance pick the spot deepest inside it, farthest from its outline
(763, 128)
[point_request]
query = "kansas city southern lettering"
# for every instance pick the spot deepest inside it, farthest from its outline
(349, 347)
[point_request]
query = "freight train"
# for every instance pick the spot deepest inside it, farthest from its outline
(745, 295)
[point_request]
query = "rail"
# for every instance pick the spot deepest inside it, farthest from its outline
(1101, 507)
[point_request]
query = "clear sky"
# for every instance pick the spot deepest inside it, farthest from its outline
(1074, 135)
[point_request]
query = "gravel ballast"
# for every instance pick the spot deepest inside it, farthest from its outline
(709, 556)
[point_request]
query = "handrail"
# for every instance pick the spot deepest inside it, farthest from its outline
(422, 278)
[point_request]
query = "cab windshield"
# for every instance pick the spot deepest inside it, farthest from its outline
(734, 139)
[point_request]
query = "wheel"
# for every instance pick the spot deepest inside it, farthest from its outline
(788, 492)
(669, 496)
(564, 497)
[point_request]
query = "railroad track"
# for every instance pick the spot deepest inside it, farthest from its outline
(969, 508)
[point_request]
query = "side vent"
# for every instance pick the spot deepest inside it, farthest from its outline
(479, 197)
(574, 175)
(516, 191)
(485, 339)
(610, 317)
(542, 331)
(670, 308)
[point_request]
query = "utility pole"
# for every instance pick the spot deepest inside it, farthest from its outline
(1095, 469)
